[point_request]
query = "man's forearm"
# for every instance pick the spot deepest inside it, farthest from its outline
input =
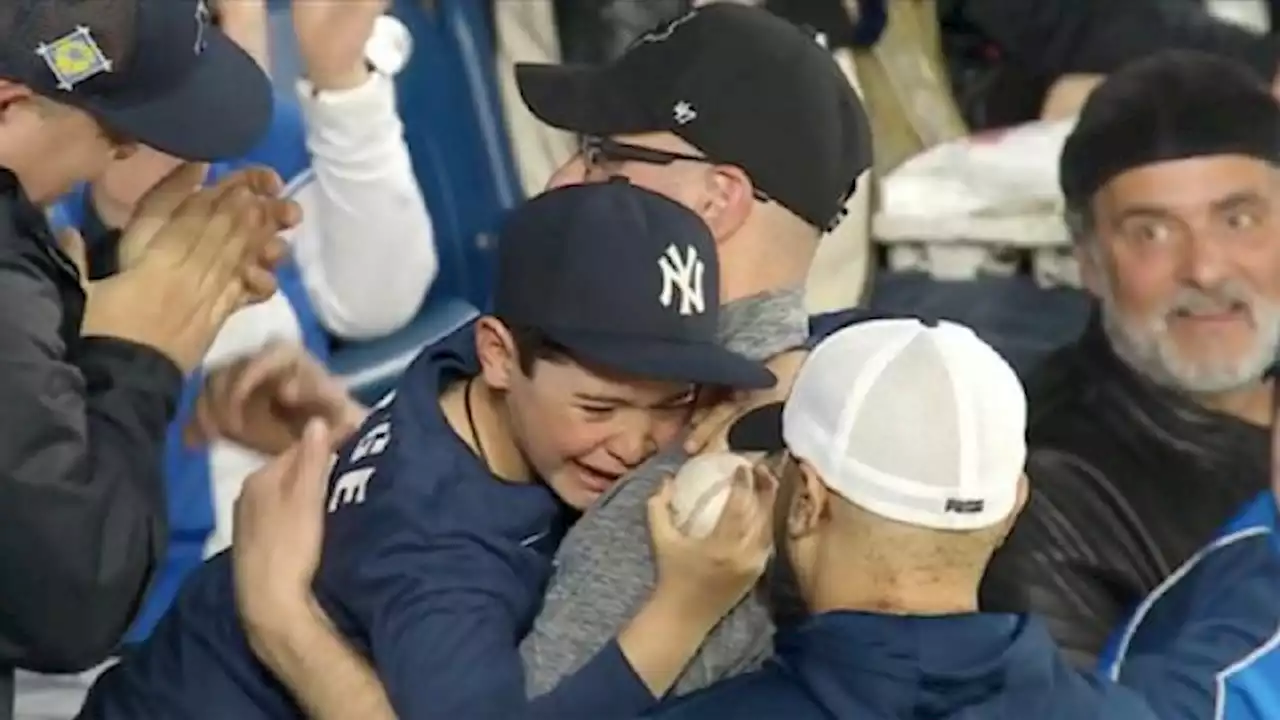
(328, 679)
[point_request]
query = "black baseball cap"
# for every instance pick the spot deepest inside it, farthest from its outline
(156, 71)
(739, 83)
(760, 430)
(1171, 105)
(624, 279)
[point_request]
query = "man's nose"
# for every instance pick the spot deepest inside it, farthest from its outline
(1206, 263)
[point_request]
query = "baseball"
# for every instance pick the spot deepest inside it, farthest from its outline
(701, 489)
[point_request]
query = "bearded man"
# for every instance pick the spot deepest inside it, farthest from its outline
(1151, 431)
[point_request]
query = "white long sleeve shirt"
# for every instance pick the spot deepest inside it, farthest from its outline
(365, 246)
(367, 253)
(365, 249)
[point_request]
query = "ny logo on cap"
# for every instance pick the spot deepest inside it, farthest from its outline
(682, 275)
(204, 16)
(74, 58)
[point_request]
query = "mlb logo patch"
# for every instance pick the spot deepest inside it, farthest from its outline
(74, 58)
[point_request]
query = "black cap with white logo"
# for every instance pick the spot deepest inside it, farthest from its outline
(742, 85)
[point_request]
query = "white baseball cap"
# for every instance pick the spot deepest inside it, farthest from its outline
(921, 423)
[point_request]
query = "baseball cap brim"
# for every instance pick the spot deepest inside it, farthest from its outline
(219, 112)
(759, 430)
(698, 363)
(581, 98)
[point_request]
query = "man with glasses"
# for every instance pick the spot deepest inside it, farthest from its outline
(607, 156)
(747, 120)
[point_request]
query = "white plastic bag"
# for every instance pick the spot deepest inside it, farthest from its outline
(978, 205)
(999, 173)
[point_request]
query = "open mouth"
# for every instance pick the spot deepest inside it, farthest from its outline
(1224, 313)
(596, 480)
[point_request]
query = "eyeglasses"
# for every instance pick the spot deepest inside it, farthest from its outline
(601, 153)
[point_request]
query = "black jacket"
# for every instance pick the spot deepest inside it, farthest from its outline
(1037, 42)
(1128, 481)
(82, 426)
(1058, 37)
(1003, 55)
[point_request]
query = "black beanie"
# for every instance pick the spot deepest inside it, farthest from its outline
(1169, 106)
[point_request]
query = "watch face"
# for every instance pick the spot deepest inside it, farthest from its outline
(389, 46)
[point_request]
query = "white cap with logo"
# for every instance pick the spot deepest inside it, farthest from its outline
(924, 424)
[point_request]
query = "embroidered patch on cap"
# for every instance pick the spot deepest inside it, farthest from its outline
(74, 58)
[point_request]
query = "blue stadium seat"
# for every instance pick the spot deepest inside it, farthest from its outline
(458, 137)
(371, 369)
(459, 145)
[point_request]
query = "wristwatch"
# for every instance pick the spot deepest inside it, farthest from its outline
(385, 54)
(389, 47)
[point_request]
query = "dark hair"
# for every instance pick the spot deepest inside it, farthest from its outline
(532, 345)
(1078, 216)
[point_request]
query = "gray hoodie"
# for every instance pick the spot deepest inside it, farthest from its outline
(604, 567)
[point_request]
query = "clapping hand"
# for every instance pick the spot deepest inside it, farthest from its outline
(264, 401)
(194, 258)
(279, 533)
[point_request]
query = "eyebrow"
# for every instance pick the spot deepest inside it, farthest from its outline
(1233, 201)
(604, 399)
(1236, 200)
(1143, 211)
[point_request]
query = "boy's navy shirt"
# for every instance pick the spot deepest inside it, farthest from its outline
(432, 568)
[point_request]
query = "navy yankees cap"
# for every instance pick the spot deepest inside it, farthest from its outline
(625, 279)
(744, 86)
(155, 71)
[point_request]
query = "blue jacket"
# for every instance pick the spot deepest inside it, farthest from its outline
(1206, 642)
(432, 568)
(187, 473)
(861, 666)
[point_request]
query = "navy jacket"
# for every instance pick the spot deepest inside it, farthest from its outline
(876, 667)
(432, 568)
(1206, 643)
